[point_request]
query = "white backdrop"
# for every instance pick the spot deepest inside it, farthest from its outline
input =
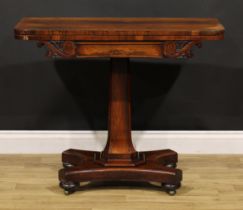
(184, 142)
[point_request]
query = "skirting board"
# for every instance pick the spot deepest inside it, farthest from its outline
(184, 142)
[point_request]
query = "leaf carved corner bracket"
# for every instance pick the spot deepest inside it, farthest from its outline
(179, 49)
(64, 49)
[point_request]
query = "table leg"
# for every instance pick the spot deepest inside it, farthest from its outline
(119, 161)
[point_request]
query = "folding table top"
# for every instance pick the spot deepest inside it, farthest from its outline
(118, 29)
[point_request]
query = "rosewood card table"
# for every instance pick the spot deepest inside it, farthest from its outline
(119, 39)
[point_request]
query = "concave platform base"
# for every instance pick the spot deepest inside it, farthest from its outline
(83, 166)
(119, 161)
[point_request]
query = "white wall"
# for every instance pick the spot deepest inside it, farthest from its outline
(184, 142)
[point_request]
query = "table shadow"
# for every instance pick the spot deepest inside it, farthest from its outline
(87, 81)
(73, 95)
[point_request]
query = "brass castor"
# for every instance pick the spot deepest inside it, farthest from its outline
(68, 192)
(170, 188)
(69, 187)
(171, 165)
(67, 165)
(171, 192)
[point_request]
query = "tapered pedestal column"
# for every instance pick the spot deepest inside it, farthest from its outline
(119, 160)
(119, 149)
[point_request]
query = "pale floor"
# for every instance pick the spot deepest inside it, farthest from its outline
(210, 182)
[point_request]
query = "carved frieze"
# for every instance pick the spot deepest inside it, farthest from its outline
(179, 49)
(71, 49)
(65, 49)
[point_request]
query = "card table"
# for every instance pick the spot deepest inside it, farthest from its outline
(119, 39)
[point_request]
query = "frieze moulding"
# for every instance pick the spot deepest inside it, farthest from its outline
(169, 49)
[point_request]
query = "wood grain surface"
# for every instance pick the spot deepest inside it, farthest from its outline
(148, 29)
(211, 182)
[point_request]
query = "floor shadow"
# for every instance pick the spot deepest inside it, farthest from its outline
(151, 82)
(96, 186)
(122, 185)
(87, 83)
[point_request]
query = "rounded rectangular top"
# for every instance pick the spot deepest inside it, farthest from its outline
(118, 29)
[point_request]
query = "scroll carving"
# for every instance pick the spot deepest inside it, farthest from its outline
(179, 49)
(65, 49)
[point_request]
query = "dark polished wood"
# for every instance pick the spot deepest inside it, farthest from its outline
(119, 39)
(119, 149)
(113, 29)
